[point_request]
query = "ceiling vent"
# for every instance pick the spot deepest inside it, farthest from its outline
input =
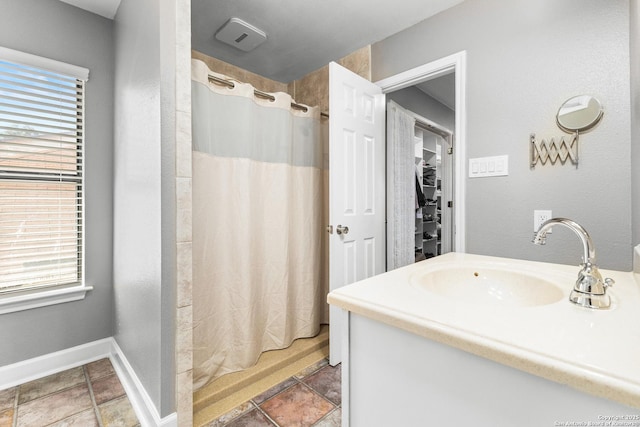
(241, 35)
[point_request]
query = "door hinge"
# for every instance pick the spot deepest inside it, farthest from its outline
(450, 204)
(330, 229)
(450, 150)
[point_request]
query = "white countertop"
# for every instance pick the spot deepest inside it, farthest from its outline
(596, 351)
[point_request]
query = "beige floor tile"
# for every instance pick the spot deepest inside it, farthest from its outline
(334, 419)
(231, 415)
(254, 418)
(54, 407)
(7, 398)
(51, 384)
(83, 419)
(118, 412)
(100, 368)
(106, 389)
(6, 418)
(64, 400)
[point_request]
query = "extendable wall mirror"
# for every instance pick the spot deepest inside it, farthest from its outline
(579, 114)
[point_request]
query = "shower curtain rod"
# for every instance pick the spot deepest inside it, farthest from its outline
(260, 94)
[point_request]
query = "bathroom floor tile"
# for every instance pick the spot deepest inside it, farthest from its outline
(100, 368)
(334, 419)
(310, 398)
(7, 398)
(119, 413)
(6, 418)
(253, 418)
(83, 419)
(297, 406)
(106, 389)
(231, 415)
(47, 385)
(274, 390)
(65, 400)
(54, 407)
(327, 382)
(311, 369)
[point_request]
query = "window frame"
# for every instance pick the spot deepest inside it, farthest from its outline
(13, 300)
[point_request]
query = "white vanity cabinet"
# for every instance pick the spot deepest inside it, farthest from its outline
(420, 356)
(392, 377)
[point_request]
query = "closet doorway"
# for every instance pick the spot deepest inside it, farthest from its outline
(372, 105)
(434, 93)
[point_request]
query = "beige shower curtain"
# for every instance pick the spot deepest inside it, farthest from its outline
(257, 225)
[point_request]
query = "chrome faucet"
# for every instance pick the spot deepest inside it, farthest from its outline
(590, 290)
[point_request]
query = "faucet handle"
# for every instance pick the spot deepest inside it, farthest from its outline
(608, 282)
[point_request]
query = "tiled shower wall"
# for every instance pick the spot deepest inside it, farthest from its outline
(313, 89)
(184, 331)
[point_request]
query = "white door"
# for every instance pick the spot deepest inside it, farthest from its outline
(356, 186)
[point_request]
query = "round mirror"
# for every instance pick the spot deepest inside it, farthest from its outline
(579, 113)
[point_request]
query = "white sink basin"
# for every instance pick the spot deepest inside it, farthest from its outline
(487, 284)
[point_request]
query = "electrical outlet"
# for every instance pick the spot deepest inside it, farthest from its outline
(540, 216)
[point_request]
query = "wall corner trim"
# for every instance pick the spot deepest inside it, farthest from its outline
(48, 364)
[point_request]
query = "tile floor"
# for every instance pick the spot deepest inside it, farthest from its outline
(86, 396)
(312, 397)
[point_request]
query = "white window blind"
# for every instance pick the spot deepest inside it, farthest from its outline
(41, 175)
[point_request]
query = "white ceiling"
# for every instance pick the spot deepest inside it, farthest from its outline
(304, 35)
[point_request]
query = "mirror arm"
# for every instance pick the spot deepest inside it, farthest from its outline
(578, 114)
(544, 151)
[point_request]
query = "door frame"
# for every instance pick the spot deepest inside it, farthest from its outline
(457, 63)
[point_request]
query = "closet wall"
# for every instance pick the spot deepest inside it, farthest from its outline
(429, 239)
(422, 104)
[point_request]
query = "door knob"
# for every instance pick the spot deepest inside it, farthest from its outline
(342, 229)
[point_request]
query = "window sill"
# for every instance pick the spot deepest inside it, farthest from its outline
(27, 301)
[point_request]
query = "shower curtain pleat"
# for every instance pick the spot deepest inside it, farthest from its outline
(257, 226)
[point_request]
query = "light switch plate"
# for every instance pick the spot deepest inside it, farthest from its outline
(482, 167)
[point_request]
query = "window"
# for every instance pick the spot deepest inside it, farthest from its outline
(41, 181)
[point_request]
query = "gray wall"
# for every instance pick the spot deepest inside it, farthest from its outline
(524, 60)
(144, 221)
(62, 32)
(635, 117)
(420, 103)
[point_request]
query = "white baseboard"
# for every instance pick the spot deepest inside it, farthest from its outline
(140, 400)
(42, 366)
